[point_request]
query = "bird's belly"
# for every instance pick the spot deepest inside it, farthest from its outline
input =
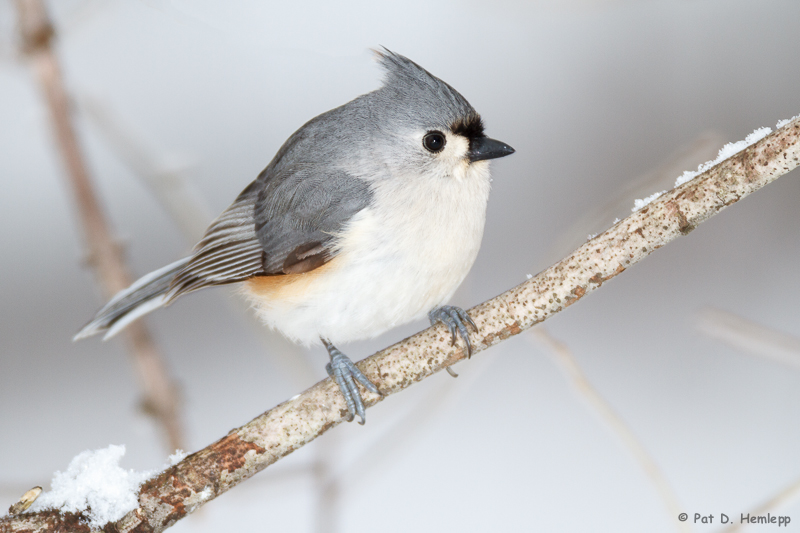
(389, 269)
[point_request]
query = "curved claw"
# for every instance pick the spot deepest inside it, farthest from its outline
(346, 373)
(456, 319)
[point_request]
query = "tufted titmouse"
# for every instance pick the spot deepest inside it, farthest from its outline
(368, 217)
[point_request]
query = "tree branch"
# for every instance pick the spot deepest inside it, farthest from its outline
(160, 394)
(202, 476)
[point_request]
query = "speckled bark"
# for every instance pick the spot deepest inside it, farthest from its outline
(204, 475)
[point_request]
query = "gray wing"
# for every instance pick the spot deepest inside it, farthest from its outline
(296, 219)
(282, 223)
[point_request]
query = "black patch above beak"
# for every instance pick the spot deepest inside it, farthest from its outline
(482, 148)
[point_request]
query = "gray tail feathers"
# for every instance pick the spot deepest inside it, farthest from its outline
(146, 294)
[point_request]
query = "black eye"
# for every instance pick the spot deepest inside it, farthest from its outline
(433, 141)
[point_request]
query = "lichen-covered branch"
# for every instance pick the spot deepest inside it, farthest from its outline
(202, 476)
(160, 394)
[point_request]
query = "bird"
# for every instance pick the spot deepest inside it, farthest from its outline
(368, 217)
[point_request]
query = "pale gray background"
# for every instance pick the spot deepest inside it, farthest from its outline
(592, 94)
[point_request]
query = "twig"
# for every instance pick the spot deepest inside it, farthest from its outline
(206, 474)
(746, 335)
(160, 395)
(569, 365)
(25, 501)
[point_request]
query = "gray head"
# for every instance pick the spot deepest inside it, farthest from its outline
(418, 110)
(412, 94)
(414, 121)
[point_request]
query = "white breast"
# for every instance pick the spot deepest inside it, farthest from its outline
(398, 260)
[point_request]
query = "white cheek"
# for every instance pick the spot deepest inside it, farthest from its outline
(456, 162)
(456, 148)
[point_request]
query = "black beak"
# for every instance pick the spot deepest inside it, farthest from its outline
(482, 148)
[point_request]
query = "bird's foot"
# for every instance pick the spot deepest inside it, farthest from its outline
(456, 320)
(346, 373)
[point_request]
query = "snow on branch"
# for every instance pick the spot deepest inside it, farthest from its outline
(204, 475)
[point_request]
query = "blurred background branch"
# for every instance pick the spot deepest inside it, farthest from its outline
(749, 336)
(160, 394)
(562, 355)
